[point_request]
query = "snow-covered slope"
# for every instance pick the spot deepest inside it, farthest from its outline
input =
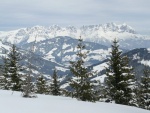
(14, 103)
(63, 49)
(4, 48)
(139, 58)
(103, 34)
(57, 53)
(54, 46)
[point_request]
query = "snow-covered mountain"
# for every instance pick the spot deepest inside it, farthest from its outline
(63, 49)
(102, 34)
(57, 53)
(55, 46)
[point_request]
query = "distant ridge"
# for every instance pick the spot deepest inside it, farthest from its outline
(102, 34)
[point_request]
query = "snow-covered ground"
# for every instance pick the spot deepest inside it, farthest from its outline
(14, 103)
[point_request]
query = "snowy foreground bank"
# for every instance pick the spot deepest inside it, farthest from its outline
(55, 104)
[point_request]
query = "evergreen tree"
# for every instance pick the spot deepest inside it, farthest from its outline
(144, 98)
(128, 83)
(5, 81)
(2, 84)
(55, 88)
(41, 85)
(80, 83)
(14, 69)
(120, 79)
(28, 87)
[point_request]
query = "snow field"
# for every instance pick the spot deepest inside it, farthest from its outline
(14, 103)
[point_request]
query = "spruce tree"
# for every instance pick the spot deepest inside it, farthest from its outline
(14, 68)
(144, 98)
(128, 83)
(5, 74)
(41, 85)
(120, 79)
(55, 88)
(2, 83)
(80, 83)
(28, 85)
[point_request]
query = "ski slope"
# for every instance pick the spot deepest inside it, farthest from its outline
(14, 103)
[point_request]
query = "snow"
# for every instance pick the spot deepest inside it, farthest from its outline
(65, 46)
(148, 49)
(14, 103)
(100, 54)
(4, 46)
(145, 62)
(61, 68)
(49, 54)
(100, 78)
(103, 34)
(109, 31)
(136, 57)
(64, 85)
(100, 67)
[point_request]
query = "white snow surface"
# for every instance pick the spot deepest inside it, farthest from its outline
(100, 67)
(61, 68)
(103, 34)
(148, 49)
(145, 62)
(108, 30)
(15, 103)
(100, 78)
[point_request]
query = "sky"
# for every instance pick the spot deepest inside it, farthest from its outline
(16, 14)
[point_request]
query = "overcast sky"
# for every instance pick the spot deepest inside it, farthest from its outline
(27, 13)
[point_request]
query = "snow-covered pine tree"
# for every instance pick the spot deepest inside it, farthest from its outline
(1, 82)
(128, 83)
(120, 78)
(55, 86)
(114, 73)
(14, 68)
(28, 87)
(28, 84)
(5, 74)
(41, 85)
(144, 89)
(80, 82)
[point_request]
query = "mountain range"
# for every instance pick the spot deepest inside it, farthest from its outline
(55, 46)
(102, 34)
